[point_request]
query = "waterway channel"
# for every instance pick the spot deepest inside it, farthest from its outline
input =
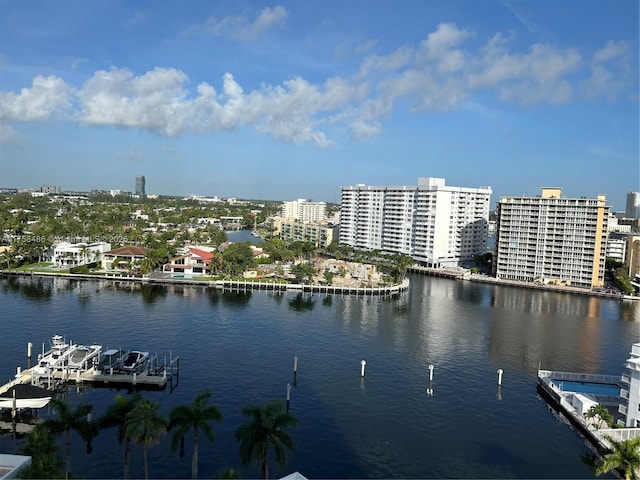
(241, 345)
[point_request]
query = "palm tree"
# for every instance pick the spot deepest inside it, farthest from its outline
(266, 429)
(600, 414)
(197, 417)
(144, 425)
(71, 419)
(84, 253)
(623, 455)
(116, 416)
(43, 450)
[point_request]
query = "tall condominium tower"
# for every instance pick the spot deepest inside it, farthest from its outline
(303, 210)
(633, 205)
(435, 224)
(140, 185)
(552, 240)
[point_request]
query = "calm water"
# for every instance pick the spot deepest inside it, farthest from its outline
(241, 346)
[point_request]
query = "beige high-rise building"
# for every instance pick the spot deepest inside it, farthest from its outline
(552, 240)
(303, 210)
(632, 257)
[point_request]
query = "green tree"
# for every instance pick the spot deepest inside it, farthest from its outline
(144, 425)
(237, 257)
(41, 446)
(196, 417)
(328, 276)
(67, 419)
(600, 414)
(303, 271)
(400, 265)
(116, 416)
(623, 455)
(267, 429)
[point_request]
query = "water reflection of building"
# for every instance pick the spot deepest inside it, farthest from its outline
(543, 325)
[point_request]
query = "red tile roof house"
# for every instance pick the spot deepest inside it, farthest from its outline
(193, 263)
(122, 258)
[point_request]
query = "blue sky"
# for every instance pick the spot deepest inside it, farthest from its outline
(295, 99)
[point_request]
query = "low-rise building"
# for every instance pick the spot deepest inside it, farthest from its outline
(123, 258)
(320, 234)
(194, 262)
(68, 255)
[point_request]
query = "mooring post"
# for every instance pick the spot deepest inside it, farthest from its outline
(500, 372)
(288, 395)
(362, 365)
(430, 373)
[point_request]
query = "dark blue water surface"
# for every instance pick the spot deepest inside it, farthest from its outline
(242, 345)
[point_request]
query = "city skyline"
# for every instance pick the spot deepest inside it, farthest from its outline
(285, 100)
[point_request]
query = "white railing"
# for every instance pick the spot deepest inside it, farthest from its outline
(619, 434)
(579, 377)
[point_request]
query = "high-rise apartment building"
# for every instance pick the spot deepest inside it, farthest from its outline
(633, 205)
(552, 240)
(140, 185)
(303, 210)
(435, 224)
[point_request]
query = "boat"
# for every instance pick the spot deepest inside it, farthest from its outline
(254, 233)
(110, 361)
(23, 396)
(134, 360)
(83, 357)
(57, 357)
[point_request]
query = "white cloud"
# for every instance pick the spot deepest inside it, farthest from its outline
(440, 42)
(8, 135)
(377, 63)
(240, 28)
(442, 73)
(611, 50)
(46, 96)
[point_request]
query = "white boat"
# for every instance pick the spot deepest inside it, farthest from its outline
(83, 357)
(134, 360)
(255, 233)
(57, 357)
(23, 396)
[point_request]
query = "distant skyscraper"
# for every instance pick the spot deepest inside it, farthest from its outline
(140, 185)
(633, 205)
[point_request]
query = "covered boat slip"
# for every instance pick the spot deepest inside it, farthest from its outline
(21, 396)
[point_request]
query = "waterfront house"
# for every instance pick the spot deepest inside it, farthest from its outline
(123, 258)
(194, 262)
(68, 255)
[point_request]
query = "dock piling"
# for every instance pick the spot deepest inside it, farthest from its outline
(288, 396)
(362, 365)
(500, 372)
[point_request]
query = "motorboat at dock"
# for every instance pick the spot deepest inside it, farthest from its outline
(134, 361)
(83, 357)
(21, 396)
(57, 357)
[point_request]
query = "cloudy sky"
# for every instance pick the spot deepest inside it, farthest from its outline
(295, 99)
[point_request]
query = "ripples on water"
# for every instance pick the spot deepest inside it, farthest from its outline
(241, 346)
